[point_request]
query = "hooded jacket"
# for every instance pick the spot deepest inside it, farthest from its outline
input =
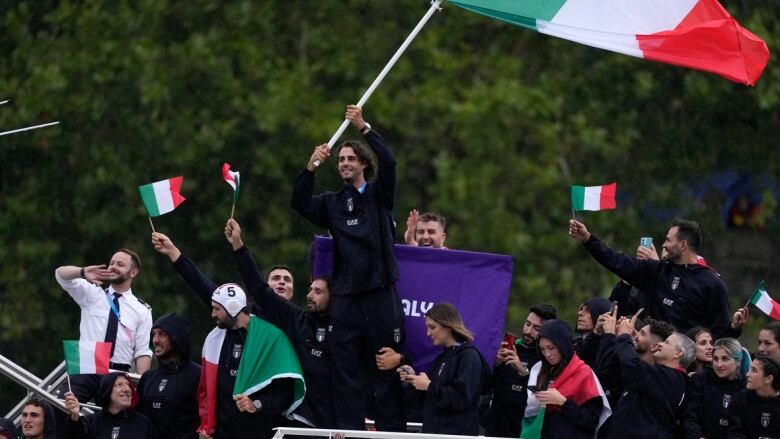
(707, 410)
(509, 394)
(570, 420)
(126, 424)
(168, 394)
(49, 421)
(587, 348)
(685, 295)
(7, 429)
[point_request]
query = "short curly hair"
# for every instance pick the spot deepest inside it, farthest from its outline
(364, 154)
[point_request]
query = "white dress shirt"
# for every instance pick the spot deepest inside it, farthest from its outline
(135, 324)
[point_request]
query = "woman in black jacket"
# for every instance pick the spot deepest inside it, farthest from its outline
(702, 337)
(457, 375)
(755, 412)
(712, 391)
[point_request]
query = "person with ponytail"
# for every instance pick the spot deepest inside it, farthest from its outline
(565, 398)
(452, 391)
(702, 337)
(755, 412)
(712, 391)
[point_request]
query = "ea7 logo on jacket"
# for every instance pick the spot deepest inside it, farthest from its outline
(353, 222)
(668, 302)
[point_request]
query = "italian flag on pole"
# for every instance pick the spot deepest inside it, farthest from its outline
(698, 34)
(86, 356)
(233, 178)
(593, 197)
(162, 196)
(765, 303)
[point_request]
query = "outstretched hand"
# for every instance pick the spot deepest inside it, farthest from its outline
(233, 234)
(97, 274)
(164, 245)
(411, 227)
(578, 231)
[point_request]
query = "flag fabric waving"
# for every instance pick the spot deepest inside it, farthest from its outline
(163, 196)
(765, 303)
(698, 34)
(593, 197)
(232, 178)
(87, 356)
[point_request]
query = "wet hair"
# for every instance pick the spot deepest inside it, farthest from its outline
(771, 367)
(545, 311)
(133, 257)
(433, 217)
(364, 154)
(688, 349)
(774, 328)
(660, 328)
(689, 231)
(448, 316)
(276, 267)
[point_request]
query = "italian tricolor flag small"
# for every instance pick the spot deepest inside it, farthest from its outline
(162, 196)
(765, 303)
(233, 178)
(593, 197)
(87, 356)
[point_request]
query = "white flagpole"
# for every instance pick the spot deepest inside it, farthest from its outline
(29, 128)
(5, 101)
(435, 6)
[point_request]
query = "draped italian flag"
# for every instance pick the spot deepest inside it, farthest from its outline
(163, 196)
(765, 303)
(593, 197)
(577, 382)
(699, 34)
(86, 356)
(267, 355)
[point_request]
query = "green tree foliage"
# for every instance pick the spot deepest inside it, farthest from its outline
(490, 123)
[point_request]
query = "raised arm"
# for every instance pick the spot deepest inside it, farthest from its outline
(303, 200)
(199, 283)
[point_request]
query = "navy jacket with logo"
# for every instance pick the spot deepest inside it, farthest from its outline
(361, 224)
(168, 395)
(685, 295)
(509, 394)
(309, 334)
(710, 397)
(752, 416)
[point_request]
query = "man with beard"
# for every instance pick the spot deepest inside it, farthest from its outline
(679, 290)
(364, 304)
(168, 394)
(510, 375)
(112, 314)
(117, 419)
(38, 421)
(426, 230)
(309, 330)
(224, 415)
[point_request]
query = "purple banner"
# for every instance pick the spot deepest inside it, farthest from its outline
(476, 283)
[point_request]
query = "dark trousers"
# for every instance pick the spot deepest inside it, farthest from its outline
(363, 324)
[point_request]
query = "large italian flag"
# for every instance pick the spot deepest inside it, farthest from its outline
(765, 303)
(698, 34)
(162, 196)
(86, 356)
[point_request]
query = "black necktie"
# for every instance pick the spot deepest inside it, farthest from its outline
(113, 323)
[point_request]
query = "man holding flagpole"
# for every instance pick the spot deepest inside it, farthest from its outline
(113, 314)
(365, 305)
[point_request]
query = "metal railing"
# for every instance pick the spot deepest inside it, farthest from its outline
(291, 432)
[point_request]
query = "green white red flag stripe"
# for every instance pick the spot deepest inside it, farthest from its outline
(86, 356)
(698, 34)
(233, 178)
(765, 303)
(593, 197)
(162, 196)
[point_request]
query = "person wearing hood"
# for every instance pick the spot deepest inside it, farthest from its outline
(587, 344)
(38, 420)
(452, 391)
(7, 429)
(510, 375)
(168, 394)
(711, 392)
(565, 398)
(679, 290)
(117, 419)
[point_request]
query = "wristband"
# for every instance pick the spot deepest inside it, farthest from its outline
(83, 276)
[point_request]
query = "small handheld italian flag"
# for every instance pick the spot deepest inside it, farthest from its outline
(162, 196)
(86, 356)
(765, 303)
(233, 178)
(593, 197)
